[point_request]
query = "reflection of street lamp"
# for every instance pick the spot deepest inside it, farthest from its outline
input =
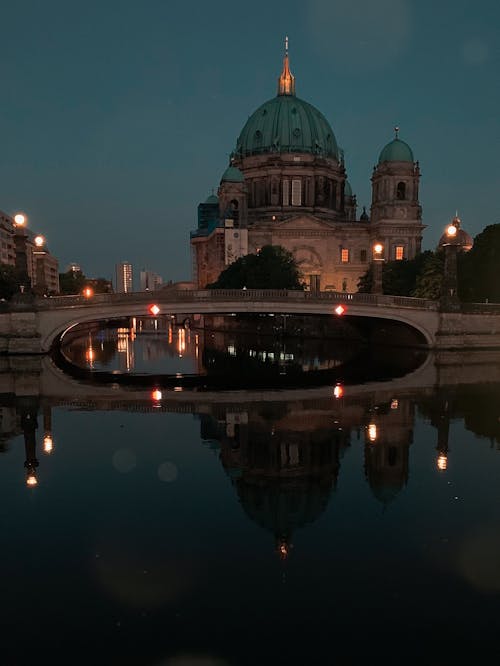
(377, 261)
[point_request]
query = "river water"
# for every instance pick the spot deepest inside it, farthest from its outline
(341, 522)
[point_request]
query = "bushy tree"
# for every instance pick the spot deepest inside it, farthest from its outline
(430, 279)
(71, 282)
(271, 268)
(74, 282)
(10, 280)
(399, 278)
(478, 269)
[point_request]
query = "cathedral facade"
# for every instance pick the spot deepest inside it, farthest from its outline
(287, 185)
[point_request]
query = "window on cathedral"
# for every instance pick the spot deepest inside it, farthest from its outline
(362, 256)
(296, 193)
(344, 255)
(400, 252)
(401, 191)
(286, 193)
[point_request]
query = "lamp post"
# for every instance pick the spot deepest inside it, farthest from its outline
(449, 290)
(377, 262)
(21, 261)
(39, 256)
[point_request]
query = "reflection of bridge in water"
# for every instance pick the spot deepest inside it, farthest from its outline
(33, 327)
(282, 450)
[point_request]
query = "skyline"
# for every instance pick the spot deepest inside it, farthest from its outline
(118, 123)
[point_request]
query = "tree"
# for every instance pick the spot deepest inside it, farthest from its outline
(71, 282)
(9, 281)
(478, 268)
(74, 282)
(430, 279)
(271, 268)
(399, 278)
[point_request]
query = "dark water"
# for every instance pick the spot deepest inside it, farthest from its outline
(257, 527)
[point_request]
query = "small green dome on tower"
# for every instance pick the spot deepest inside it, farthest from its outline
(232, 175)
(212, 199)
(396, 151)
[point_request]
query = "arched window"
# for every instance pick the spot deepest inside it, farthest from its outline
(401, 191)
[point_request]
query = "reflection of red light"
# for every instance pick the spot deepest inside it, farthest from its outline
(339, 310)
(156, 394)
(338, 391)
(154, 309)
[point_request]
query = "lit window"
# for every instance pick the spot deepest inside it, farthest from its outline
(344, 255)
(286, 193)
(296, 193)
(399, 252)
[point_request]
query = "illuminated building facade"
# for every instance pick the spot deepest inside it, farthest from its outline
(28, 253)
(123, 272)
(287, 185)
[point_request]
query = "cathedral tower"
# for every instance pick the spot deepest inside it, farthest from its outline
(395, 212)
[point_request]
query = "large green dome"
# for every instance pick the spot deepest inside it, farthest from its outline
(396, 151)
(287, 124)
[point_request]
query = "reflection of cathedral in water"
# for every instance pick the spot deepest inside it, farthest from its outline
(284, 459)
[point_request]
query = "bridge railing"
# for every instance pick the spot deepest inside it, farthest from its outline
(178, 295)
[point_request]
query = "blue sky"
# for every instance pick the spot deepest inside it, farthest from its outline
(118, 117)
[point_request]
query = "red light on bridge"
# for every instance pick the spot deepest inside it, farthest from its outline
(154, 309)
(340, 310)
(156, 395)
(338, 391)
(88, 292)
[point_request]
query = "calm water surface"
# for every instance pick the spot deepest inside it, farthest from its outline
(258, 527)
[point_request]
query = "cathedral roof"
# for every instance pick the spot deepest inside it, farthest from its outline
(232, 175)
(287, 124)
(396, 151)
(347, 189)
(461, 237)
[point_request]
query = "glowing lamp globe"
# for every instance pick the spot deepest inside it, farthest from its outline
(154, 309)
(340, 310)
(451, 230)
(378, 248)
(20, 219)
(39, 241)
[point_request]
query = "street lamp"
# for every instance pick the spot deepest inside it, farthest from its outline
(20, 219)
(377, 262)
(449, 290)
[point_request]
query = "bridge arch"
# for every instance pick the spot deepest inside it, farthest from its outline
(58, 315)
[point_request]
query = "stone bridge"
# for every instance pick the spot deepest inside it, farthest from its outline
(34, 326)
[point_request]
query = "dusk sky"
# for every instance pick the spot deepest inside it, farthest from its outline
(118, 116)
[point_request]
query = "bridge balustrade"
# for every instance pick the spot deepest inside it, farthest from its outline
(247, 295)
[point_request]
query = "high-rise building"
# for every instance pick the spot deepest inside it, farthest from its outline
(150, 281)
(124, 277)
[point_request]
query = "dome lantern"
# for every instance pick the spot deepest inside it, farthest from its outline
(286, 81)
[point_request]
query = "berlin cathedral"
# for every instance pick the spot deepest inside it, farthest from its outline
(287, 185)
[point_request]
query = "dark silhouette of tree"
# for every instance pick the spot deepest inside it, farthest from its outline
(399, 278)
(271, 268)
(478, 269)
(9, 281)
(74, 282)
(430, 279)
